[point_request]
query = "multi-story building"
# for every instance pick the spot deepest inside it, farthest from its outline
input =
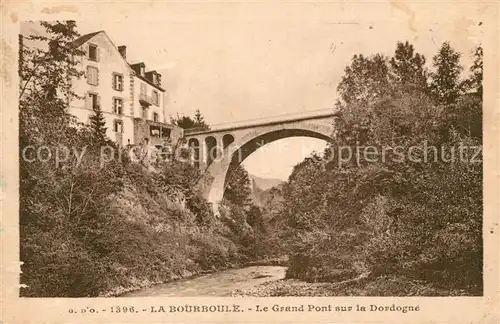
(130, 97)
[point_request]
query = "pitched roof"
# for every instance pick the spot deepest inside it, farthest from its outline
(149, 82)
(82, 39)
(145, 79)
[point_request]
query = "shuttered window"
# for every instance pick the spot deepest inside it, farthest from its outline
(156, 98)
(93, 100)
(92, 75)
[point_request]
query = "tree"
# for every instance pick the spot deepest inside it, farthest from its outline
(68, 201)
(197, 122)
(445, 79)
(475, 80)
(183, 122)
(469, 111)
(392, 215)
(409, 67)
(98, 126)
(45, 89)
(56, 62)
(369, 79)
(238, 188)
(365, 80)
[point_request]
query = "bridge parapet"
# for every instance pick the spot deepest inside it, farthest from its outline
(259, 122)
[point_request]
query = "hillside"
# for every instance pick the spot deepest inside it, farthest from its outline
(260, 188)
(265, 183)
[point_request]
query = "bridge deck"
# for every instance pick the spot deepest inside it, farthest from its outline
(194, 131)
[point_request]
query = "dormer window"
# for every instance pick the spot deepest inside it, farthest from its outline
(142, 70)
(92, 52)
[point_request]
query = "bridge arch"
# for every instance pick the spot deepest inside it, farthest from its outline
(227, 140)
(250, 142)
(261, 140)
(194, 145)
(210, 149)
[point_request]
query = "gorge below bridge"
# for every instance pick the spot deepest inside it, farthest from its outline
(216, 151)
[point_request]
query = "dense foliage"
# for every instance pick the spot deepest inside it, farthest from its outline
(241, 213)
(413, 210)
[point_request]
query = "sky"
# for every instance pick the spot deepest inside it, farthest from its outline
(242, 60)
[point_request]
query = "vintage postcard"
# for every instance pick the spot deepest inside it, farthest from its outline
(249, 162)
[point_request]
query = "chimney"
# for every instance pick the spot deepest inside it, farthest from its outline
(123, 51)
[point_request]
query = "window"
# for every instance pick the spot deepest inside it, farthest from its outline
(92, 52)
(118, 81)
(142, 70)
(144, 112)
(143, 89)
(165, 133)
(155, 117)
(156, 98)
(154, 131)
(118, 126)
(92, 75)
(93, 100)
(118, 106)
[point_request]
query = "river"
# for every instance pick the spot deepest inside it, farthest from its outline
(219, 284)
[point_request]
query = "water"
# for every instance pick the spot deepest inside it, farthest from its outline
(218, 284)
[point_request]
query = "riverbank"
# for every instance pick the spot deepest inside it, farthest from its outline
(177, 279)
(218, 284)
(281, 261)
(381, 286)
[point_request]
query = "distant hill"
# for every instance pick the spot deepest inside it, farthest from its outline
(261, 186)
(265, 183)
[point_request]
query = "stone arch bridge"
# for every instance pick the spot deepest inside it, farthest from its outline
(217, 151)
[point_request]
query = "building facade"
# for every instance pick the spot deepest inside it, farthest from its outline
(130, 97)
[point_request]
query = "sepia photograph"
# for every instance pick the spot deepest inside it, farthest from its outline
(249, 150)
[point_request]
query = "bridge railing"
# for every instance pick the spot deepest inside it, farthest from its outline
(196, 130)
(270, 119)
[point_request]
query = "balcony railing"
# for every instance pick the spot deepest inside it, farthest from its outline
(145, 99)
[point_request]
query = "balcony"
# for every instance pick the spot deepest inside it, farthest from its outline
(145, 100)
(156, 132)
